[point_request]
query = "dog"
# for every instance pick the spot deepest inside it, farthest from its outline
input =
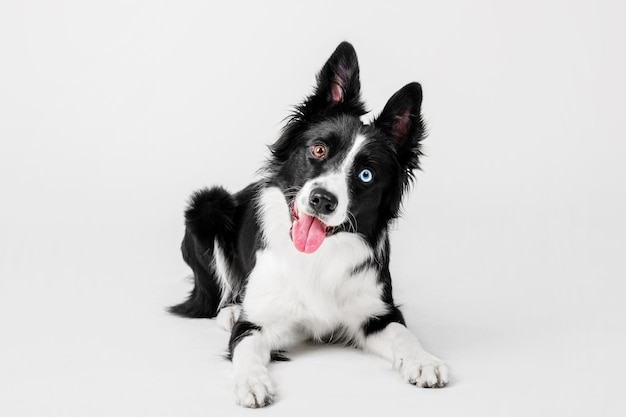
(303, 253)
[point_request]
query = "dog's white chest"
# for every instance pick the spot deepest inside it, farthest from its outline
(317, 293)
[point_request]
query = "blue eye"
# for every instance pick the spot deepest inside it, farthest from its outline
(366, 175)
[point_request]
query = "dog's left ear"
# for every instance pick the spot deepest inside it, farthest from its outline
(401, 121)
(338, 86)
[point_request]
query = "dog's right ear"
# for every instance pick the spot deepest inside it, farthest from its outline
(338, 85)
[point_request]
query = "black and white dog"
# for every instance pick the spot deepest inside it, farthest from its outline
(303, 254)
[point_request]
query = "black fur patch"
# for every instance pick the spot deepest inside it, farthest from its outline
(210, 213)
(206, 293)
(241, 330)
(279, 356)
(378, 323)
(365, 265)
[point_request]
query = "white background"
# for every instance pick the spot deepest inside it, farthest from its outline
(509, 260)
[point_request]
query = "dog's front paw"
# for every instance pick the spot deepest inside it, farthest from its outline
(423, 370)
(254, 389)
(228, 316)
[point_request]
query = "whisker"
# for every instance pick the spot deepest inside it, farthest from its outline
(291, 191)
(352, 223)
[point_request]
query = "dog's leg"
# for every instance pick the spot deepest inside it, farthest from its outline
(204, 299)
(250, 353)
(397, 344)
(228, 316)
(208, 220)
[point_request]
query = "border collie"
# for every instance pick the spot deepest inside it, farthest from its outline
(303, 254)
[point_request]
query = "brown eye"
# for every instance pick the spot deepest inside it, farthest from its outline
(319, 151)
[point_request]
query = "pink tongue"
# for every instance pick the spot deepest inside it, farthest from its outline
(308, 233)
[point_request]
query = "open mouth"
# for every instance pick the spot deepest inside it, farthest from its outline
(308, 232)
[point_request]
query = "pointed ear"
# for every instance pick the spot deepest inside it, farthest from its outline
(401, 118)
(338, 85)
(401, 121)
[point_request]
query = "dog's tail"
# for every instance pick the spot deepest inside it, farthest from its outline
(209, 218)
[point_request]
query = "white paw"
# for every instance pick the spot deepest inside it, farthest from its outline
(423, 370)
(254, 389)
(228, 316)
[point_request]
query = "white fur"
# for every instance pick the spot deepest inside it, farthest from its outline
(335, 182)
(359, 141)
(396, 344)
(252, 384)
(294, 296)
(311, 294)
(221, 271)
(228, 316)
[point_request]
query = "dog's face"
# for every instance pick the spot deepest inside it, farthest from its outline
(338, 174)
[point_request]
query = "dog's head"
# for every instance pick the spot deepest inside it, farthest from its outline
(338, 174)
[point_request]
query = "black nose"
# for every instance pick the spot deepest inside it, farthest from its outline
(322, 201)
